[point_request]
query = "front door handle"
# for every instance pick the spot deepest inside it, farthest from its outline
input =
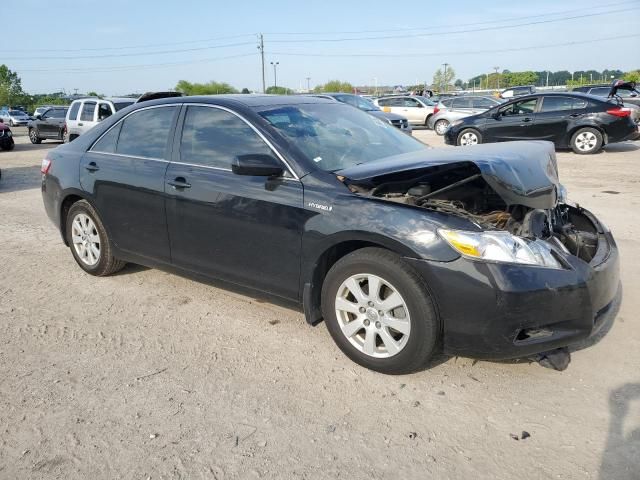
(92, 167)
(526, 120)
(575, 115)
(179, 183)
(80, 124)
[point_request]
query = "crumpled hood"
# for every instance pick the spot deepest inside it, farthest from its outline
(522, 173)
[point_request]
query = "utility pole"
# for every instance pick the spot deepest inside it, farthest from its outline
(275, 73)
(497, 76)
(308, 84)
(444, 77)
(547, 78)
(261, 49)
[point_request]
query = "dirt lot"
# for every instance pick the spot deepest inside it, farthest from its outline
(148, 375)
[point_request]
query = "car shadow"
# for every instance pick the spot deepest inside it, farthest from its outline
(27, 147)
(622, 147)
(15, 179)
(622, 447)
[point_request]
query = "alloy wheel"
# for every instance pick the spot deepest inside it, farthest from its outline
(372, 315)
(469, 138)
(441, 127)
(85, 239)
(586, 141)
(33, 135)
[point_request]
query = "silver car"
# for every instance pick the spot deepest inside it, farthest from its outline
(15, 117)
(418, 110)
(451, 109)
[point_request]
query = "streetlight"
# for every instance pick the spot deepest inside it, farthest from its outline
(497, 76)
(308, 84)
(444, 77)
(275, 73)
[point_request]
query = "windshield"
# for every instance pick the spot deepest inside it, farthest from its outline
(17, 113)
(120, 105)
(427, 101)
(336, 136)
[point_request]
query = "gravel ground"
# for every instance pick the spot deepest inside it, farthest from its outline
(149, 375)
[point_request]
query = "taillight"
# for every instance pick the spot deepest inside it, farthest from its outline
(46, 166)
(436, 110)
(619, 112)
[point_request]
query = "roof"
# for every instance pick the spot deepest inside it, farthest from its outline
(248, 100)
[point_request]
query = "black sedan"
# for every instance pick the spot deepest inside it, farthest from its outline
(49, 124)
(582, 122)
(403, 250)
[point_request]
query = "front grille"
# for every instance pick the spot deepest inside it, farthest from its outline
(400, 123)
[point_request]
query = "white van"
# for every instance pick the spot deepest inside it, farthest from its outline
(85, 113)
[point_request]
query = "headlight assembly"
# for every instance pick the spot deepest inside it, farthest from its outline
(500, 247)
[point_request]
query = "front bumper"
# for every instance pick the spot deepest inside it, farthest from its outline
(489, 310)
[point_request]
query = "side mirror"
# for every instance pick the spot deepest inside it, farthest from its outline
(38, 117)
(258, 165)
(496, 115)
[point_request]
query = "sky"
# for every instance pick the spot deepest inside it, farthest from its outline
(125, 46)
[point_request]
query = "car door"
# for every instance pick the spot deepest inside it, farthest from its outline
(87, 116)
(124, 174)
(463, 105)
(51, 123)
(554, 115)
(413, 110)
(72, 118)
(243, 229)
(513, 121)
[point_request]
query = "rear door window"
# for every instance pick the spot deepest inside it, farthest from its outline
(556, 104)
(145, 133)
(461, 103)
(213, 138)
(109, 141)
(88, 109)
(73, 114)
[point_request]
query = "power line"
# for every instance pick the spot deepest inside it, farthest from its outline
(452, 53)
(130, 47)
(118, 55)
(123, 68)
(451, 32)
(433, 27)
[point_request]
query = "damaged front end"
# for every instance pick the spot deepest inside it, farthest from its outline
(516, 205)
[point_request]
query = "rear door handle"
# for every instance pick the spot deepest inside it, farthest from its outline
(179, 183)
(575, 115)
(92, 167)
(526, 120)
(80, 124)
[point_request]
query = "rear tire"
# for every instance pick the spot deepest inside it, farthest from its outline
(33, 136)
(368, 326)
(88, 240)
(586, 141)
(441, 126)
(469, 136)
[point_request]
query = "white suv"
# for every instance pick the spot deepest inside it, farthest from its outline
(85, 113)
(416, 109)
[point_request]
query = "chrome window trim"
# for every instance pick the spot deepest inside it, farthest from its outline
(138, 157)
(258, 132)
(90, 149)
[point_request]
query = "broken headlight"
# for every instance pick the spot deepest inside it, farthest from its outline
(500, 247)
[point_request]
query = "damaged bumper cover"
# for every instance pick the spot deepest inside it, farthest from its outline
(499, 311)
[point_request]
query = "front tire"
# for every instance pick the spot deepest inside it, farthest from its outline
(33, 136)
(379, 312)
(469, 136)
(441, 126)
(88, 240)
(586, 141)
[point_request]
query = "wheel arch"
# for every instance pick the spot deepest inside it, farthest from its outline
(69, 199)
(313, 277)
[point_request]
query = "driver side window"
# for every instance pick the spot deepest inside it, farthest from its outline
(524, 107)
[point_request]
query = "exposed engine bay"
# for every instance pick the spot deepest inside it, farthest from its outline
(461, 190)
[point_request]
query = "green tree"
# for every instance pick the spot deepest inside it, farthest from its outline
(245, 90)
(10, 86)
(93, 94)
(335, 86)
(210, 88)
(512, 79)
(273, 90)
(633, 76)
(442, 80)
